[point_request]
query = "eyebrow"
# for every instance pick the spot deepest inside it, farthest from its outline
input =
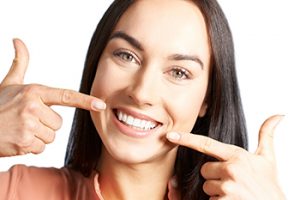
(187, 57)
(128, 38)
(135, 43)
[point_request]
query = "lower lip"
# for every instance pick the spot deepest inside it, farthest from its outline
(132, 132)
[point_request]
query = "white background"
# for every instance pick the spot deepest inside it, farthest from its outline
(266, 35)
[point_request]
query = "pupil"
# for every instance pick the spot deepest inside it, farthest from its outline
(178, 73)
(128, 57)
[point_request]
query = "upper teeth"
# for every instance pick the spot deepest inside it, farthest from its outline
(135, 122)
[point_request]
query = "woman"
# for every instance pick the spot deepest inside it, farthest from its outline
(161, 76)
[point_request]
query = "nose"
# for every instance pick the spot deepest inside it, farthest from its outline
(144, 88)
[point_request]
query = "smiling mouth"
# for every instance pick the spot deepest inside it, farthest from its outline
(134, 122)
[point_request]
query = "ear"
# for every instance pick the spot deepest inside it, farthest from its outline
(203, 109)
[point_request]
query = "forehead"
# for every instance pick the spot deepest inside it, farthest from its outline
(168, 24)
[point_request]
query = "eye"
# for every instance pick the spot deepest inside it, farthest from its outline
(179, 73)
(126, 56)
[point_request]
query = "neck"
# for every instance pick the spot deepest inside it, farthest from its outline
(125, 181)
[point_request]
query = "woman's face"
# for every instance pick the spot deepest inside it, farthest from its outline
(153, 76)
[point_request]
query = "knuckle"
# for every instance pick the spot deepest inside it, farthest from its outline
(50, 137)
(239, 154)
(24, 141)
(39, 149)
(58, 123)
(15, 61)
(21, 152)
(28, 125)
(29, 106)
(56, 126)
(203, 169)
(230, 170)
(206, 146)
(29, 90)
(66, 96)
(28, 103)
(227, 187)
(206, 187)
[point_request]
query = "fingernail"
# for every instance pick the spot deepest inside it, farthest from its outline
(174, 182)
(173, 136)
(14, 42)
(282, 116)
(98, 105)
(280, 119)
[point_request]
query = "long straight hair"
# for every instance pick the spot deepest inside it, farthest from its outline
(224, 120)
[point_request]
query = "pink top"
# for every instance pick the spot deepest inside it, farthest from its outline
(30, 183)
(33, 183)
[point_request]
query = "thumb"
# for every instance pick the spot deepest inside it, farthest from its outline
(266, 134)
(173, 190)
(18, 68)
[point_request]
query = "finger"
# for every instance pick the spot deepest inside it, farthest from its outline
(17, 71)
(206, 145)
(212, 170)
(173, 190)
(224, 197)
(65, 97)
(37, 146)
(44, 133)
(49, 117)
(213, 187)
(266, 134)
(216, 198)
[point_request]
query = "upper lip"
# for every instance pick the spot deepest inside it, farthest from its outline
(138, 115)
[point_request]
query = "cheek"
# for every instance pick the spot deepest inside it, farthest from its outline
(185, 108)
(100, 87)
(105, 82)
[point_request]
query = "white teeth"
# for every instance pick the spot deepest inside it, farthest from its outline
(124, 117)
(135, 122)
(129, 120)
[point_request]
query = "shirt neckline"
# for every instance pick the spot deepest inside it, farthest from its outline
(97, 187)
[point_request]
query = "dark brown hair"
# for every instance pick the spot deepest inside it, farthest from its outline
(223, 121)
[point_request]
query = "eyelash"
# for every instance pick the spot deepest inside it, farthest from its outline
(183, 72)
(129, 57)
(126, 56)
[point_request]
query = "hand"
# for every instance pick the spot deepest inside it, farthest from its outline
(27, 122)
(238, 174)
(173, 192)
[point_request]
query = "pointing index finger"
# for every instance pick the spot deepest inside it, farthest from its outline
(66, 97)
(204, 144)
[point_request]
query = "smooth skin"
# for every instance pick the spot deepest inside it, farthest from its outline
(161, 72)
(26, 119)
(28, 123)
(239, 174)
(144, 86)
